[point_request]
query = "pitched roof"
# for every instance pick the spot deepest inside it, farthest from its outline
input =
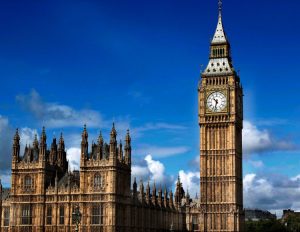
(219, 36)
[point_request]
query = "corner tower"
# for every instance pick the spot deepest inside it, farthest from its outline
(221, 122)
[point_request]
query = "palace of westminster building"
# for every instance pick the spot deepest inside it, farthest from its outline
(44, 193)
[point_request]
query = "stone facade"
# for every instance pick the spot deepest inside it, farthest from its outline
(44, 193)
(221, 123)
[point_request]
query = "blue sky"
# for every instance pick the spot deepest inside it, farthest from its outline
(66, 63)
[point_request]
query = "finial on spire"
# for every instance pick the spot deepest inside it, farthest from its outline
(43, 135)
(220, 7)
(113, 130)
(84, 133)
(17, 136)
(100, 138)
(35, 141)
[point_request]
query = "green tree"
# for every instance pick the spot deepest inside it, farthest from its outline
(293, 223)
(265, 226)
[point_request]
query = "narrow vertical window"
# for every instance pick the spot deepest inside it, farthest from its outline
(28, 183)
(61, 215)
(6, 216)
(49, 215)
(97, 215)
(98, 181)
(26, 215)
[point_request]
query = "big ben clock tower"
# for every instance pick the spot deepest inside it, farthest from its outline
(221, 123)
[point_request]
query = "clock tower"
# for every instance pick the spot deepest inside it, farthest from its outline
(221, 123)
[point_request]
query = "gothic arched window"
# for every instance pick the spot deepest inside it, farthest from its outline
(98, 181)
(28, 183)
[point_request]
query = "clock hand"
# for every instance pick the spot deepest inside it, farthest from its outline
(216, 101)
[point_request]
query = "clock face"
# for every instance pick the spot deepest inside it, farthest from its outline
(216, 102)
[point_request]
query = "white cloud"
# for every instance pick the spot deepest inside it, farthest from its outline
(190, 181)
(73, 156)
(156, 169)
(160, 152)
(140, 172)
(271, 192)
(260, 141)
(26, 137)
(296, 178)
(153, 171)
(54, 115)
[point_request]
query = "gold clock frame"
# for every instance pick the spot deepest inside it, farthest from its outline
(226, 94)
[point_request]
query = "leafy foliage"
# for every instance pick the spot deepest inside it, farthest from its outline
(265, 226)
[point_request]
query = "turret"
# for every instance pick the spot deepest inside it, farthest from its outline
(84, 144)
(128, 148)
(61, 151)
(35, 143)
(35, 148)
(120, 152)
(134, 188)
(16, 147)
(113, 143)
(160, 197)
(100, 147)
(179, 194)
(171, 203)
(43, 146)
(187, 197)
(142, 198)
(53, 152)
(154, 200)
(166, 197)
(148, 193)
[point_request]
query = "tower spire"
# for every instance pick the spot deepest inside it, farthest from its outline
(220, 7)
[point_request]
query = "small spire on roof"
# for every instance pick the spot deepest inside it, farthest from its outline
(220, 7)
